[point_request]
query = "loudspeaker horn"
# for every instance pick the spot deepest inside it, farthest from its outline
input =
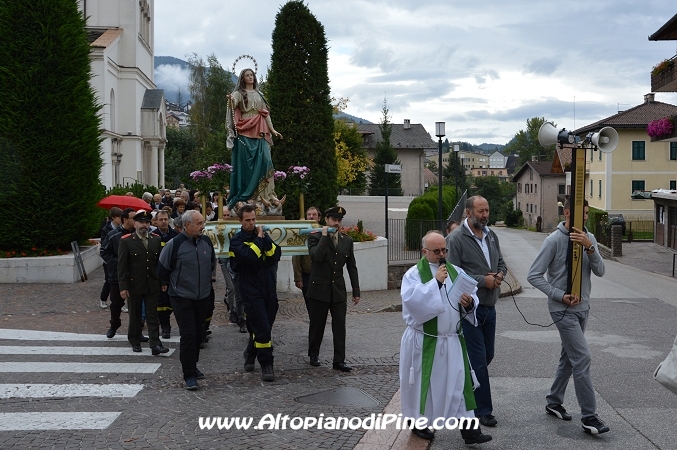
(605, 140)
(547, 134)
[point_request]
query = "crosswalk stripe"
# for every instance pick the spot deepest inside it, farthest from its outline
(68, 390)
(58, 367)
(57, 421)
(75, 351)
(33, 335)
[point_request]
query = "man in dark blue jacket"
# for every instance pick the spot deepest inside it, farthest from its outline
(254, 257)
(186, 265)
(109, 253)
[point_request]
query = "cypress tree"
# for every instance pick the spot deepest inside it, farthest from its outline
(298, 93)
(49, 127)
(385, 154)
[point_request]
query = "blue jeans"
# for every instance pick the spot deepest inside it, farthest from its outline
(480, 344)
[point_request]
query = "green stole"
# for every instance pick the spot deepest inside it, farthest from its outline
(430, 343)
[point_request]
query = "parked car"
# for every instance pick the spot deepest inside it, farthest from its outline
(617, 219)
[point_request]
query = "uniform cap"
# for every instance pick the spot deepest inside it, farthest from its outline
(337, 212)
(142, 216)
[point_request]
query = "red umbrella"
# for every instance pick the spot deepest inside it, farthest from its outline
(123, 202)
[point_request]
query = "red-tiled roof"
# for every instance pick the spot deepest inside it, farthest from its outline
(543, 168)
(637, 117)
(429, 177)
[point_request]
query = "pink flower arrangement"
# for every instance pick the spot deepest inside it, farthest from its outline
(220, 168)
(296, 175)
(201, 175)
(279, 175)
(660, 127)
(301, 171)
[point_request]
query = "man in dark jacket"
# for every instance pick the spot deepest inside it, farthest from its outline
(109, 253)
(302, 264)
(254, 258)
(327, 288)
(475, 248)
(138, 253)
(186, 265)
(164, 306)
(113, 221)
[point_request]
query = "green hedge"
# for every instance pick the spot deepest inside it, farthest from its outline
(422, 214)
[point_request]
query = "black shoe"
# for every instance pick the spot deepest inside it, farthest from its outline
(315, 361)
(267, 373)
(159, 349)
(143, 338)
(191, 384)
(136, 348)
(342, 367)
(243, 329)
(558, 411)
(249, 361)
(199, 375)
(424, 433)
(111, 333)
(488, 420)
(592, 425)
(166, 333)
(233, 317)
(475, 436)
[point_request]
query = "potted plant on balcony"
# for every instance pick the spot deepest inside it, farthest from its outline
(662, 67)
(660, 129)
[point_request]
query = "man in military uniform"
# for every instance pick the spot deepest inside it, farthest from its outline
(327, 288)
(138, 254)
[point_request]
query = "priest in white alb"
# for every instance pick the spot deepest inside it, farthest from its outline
(436, 380)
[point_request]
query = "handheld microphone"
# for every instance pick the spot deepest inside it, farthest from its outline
(443, 261)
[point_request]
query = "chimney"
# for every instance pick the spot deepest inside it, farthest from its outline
(648, 98)
(407, 124)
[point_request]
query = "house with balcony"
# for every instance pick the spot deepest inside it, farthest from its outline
(639, 163)
(664, 79)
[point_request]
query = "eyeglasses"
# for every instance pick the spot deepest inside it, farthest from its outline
(437, 251)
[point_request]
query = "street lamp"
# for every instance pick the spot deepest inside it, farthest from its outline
(439, 132)
(457, 148)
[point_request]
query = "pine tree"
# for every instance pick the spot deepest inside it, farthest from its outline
(49, 127)
(300, 106)
(385, 154)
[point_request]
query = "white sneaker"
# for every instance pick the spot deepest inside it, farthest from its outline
(124, 309)
(104, 305)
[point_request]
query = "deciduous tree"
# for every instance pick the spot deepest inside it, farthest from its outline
(525, 143)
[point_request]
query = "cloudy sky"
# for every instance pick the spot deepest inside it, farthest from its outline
(484, 68)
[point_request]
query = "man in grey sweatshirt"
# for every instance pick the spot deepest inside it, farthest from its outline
(570, 314)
